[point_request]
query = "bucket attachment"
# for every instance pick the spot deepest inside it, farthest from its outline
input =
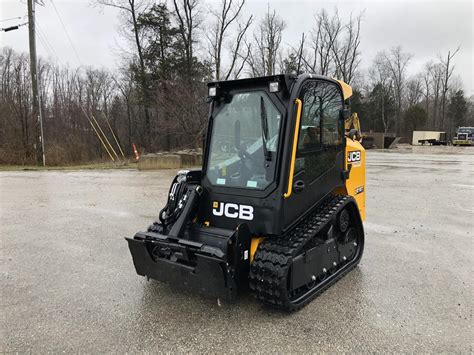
(208, 261)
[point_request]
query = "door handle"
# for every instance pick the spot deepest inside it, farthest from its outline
(298, 186)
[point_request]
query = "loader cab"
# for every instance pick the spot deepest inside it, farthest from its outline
(253, 140)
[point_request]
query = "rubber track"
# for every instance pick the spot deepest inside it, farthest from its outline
(269, 270)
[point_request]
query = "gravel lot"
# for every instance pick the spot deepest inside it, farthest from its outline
(68, 282)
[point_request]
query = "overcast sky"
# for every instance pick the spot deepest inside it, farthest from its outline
(422, 27)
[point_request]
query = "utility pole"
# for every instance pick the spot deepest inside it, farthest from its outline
(40, 158)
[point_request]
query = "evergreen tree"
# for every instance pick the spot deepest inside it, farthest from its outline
(381, 109)
(457, 109)
(415, 118)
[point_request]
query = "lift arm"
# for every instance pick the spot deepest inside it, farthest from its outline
(353, 123)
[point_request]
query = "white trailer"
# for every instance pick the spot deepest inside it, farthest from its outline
(429, 137)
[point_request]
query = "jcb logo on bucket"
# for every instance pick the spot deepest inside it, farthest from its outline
(354, 157)
(232, 210)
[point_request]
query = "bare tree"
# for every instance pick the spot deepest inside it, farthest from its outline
(224, 19)
(188, 108)
(125, 86)
(426, 89)
(63, 93)
(131, 8)
(108, 90)
(436, 73)
(396, 62)
(414, 90)
(448, 69)
(382, 81)
(187, 12)
(346, 49)
(21, 100)
(334, 47)
(240, 50)
(267, 40)
(324, 34)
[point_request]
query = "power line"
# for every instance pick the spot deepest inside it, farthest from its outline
(12, 18)
(66, 32)
(44, 41)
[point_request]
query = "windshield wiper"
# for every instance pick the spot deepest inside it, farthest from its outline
(264, 123)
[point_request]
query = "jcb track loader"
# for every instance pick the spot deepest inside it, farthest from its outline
(279, 202)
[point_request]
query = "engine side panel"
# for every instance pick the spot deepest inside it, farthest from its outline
(354, 161)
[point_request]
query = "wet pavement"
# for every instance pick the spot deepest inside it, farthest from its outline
(68, 283)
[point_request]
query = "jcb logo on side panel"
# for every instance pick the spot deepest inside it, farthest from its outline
(232, 210)
(354, 157)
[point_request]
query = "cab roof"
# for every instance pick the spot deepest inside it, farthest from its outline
(285, 80)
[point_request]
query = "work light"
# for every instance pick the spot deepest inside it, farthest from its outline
(274, 87)
(212, 91)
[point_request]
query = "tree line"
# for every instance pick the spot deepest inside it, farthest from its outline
(157, 99)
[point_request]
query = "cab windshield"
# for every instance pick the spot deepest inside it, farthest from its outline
(244, 141)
